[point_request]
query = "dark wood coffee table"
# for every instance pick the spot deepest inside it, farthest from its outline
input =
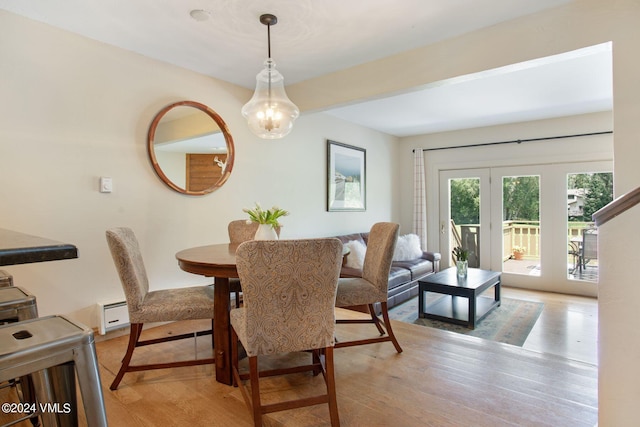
(464, 302)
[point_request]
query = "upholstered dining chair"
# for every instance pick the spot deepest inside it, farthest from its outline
(146, 306)
(289, 289)
(241, 231)
(371, 288)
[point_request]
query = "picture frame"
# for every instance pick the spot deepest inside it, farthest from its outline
(346, 177)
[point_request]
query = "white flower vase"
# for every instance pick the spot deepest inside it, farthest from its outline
(266, 232)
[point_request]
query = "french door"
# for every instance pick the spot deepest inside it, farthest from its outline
(519, 221)
(465, 212)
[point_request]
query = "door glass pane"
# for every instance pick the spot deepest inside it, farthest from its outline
(586, 193)
(465, 217)
(521, 225)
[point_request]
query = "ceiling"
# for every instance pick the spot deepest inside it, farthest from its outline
(577, 82)
(313, 38)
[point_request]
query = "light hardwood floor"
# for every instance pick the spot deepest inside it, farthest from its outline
(442, 378)
(568, 324)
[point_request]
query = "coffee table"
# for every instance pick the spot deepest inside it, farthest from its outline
(464, 302)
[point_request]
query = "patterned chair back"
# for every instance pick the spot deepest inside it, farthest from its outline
(377, 261)
(240, 231)
(289, 291)
(128, 261)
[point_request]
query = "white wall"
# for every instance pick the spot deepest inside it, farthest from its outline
(73, 110)
(619, 334)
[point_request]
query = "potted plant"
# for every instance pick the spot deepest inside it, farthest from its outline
(268, 220)
(518, 252)
(462, 260)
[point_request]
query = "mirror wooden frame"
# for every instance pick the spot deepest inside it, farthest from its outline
(223, 128)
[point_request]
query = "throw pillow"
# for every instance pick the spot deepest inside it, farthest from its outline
(358, 250)
(407, 248)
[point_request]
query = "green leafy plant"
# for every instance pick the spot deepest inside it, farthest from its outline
(266, 216)
(460, 254)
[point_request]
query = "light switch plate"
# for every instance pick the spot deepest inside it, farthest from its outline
(106, 184)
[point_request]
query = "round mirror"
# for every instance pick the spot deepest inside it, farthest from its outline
(190, 148)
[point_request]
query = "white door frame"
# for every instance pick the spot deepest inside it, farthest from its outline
(553, 220)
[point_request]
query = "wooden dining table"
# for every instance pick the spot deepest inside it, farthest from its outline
(217, 261)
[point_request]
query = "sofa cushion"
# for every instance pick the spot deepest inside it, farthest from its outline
(418, 267)
(357, 252)
(348, 237)
(407, 248)
(398, 276)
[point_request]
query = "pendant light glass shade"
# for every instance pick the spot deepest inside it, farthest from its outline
(270, 113)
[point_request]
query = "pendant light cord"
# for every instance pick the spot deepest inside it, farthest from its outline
(268, 40)
(269, 56)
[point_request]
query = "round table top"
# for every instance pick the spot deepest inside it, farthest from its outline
(211, 260)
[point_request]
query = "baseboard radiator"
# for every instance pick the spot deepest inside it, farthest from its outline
(112, 315)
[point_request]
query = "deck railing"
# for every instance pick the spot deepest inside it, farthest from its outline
(525, 234)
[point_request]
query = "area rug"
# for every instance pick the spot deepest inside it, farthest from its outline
(510, 323)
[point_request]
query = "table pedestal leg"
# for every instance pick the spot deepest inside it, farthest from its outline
(221, 330)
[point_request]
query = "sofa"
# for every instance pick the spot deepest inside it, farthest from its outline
(404, 274)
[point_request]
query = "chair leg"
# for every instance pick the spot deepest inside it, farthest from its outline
(375, 319)
(134, 336)
(384, 327)
(86, 364)
(256, 406)
(134, 341)
(387, 323)
(234, 358)
(325, 364)
(316, 359)
(331, 387)
(237, 299)
(213, 342)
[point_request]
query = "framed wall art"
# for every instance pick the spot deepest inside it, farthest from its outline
(346, 177)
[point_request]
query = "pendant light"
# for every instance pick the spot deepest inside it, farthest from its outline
(270, 113)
